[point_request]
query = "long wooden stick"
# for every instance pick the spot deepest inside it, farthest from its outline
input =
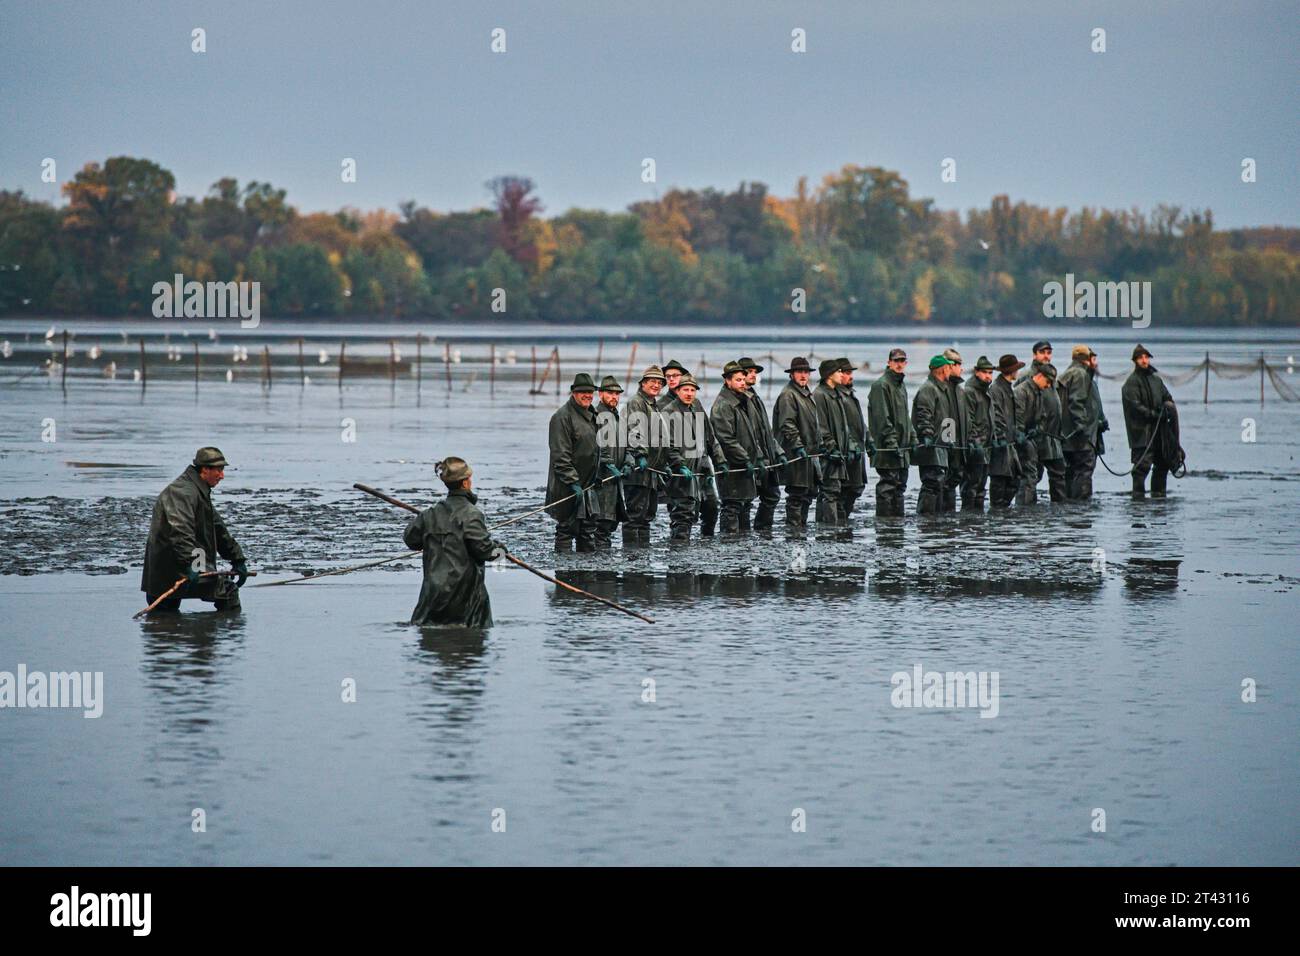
(511, 558)
(325, 574)
(176, 587)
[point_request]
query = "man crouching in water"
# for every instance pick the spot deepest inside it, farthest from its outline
(455, 541)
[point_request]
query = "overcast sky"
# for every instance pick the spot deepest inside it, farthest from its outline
(710, 90)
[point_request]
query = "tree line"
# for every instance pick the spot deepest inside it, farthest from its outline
(858, 244)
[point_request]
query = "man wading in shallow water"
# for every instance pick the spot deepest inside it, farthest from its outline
(185, 536)
(455, 541)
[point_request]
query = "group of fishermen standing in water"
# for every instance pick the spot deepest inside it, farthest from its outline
(997, 434)
(1007, 428)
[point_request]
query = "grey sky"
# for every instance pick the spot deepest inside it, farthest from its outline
(710, 90)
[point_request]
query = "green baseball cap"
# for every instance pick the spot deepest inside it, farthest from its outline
(939, 361)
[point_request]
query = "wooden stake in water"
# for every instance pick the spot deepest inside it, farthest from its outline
(1205, 397)
(392, 362)
(1261, 378)
(600, 353)
(558, 374)
(64, 377)
(302, 371)
(419, 360)
(492, 369)
(196, 368)
(144, 369)
(266, 365)
(631, 361)
(342, 347)
(532, 389)
(446, 362)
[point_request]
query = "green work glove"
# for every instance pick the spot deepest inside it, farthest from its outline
(614, 470)
(801, 452)
(641, 463)
(576, 489)
(928, 442)
(241, 569)
(781, 459)
(750, 469)
(498, 551)
(687, 473)
(627, 470)
(192, 576)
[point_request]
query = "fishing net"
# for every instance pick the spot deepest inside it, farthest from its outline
(1284, 389)
(1234, 369)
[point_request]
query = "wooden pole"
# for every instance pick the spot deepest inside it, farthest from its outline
(533, 387)
(196, 368)
(302, 370)
(492, 369)
(1205, 398)
(558, 373)
(631, 361)
(266, 364)
(144, 368)
(392, 362)
(64, 377)
(419, 359)
(446, 362)
(600, 353)
(771, 366)
(661, 353)
(1261, 378)
(342, 346)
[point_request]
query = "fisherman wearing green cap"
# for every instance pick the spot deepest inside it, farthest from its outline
(652, 454)
(1029, 392)
(740, 447)
(615, 462)
(769, 482)
(1004, 460)
(936, 429)
(957, 453)
(455, 543)
(574, 468)
(693, 436)
(186, 534)
(855, 479)
(892, 436)
(979, 434)
(835, 454)
(799, 427)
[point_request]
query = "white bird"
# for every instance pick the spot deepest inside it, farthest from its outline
(306, 379)
(983, 244)
(6, 349)
(110, 370)
(124, 338)
(324, 356)
(212, 335)
(397, 353)
(95, 352)
(135, 375)
(511, 358)
(455, 357)
(230, 375)
(50, 333)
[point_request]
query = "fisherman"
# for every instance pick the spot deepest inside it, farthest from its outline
(673, 373)
(1004, 462)
(740, 447)
(615, 463)
(979, 435)
(1047, 443)
(890, 427)
(1081, 421)
(830, 406)
(456, 544)
(855, 479)
(1149, 414)
(1042, 356)
(575, 468)
(696, 444)
(798, 427)
(956, 453)
(185, 536)
(1029, 393)
(769, 482)
(936, 427)
(652, 454)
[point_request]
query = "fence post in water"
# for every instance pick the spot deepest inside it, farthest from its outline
(661, 353)
(342, 347)
(196, 368)
(557, 370)
(446, 362)
(600, 353)
(532, 388)
(266, 365)
(771, 367)
(144, 369)
(1261, 378)
(392, 362)
(1205, 398)
(492, 369)
(64, 378)
(631, 360)
(704, 374)
(302, 371)
(419, 359)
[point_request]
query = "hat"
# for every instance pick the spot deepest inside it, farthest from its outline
(1080, 352)
(1091, 354)
(845, 365)
(610, 384)
(453, 470)
(982, 364)
(1140, 349)
(653, 371)
(828, 368)
(939, 361)
(210, 458)
(897, 355)
(748, 363)
(1009, 364)
(730, 369)
(582, 383)
(953, 356)
(798, 364)
(1048, 369)
(674, 364)
(1039, 346)
(688, 379)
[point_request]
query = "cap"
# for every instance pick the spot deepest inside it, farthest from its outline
(1039, 346)
(1091, 354)
(982, 364)
(1080, 352)
(748, 363)
(828, 368)
(452, 470)
(939, 361)
(582, 383)
(674, 364)
(688, 379)
(952, 355)
(798, 364)
(1048, 369)
(1140, 349)
(653, 371)
(610, 384)
(897, 355)
(1008, 364)
(731, 368)
(210, 457)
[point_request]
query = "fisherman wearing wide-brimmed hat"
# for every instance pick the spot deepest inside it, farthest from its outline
(769, 482)
(456, 545)
(740, 446)
(574, 469)
(1149, 416)
(889, 423)
(692, 435)
(673, 372)
(855, 465)
(652, 453)
(1081, 420)
(615, 461)
(830, 406)
(799, 428)
(1004, 461)
(979, 433)
(186, 534)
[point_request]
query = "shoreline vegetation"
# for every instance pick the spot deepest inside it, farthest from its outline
(860, 249)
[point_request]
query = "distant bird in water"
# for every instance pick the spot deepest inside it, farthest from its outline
(6, 349)
(324, 356)
(983, 244)
(50, 333)
(230, 375)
